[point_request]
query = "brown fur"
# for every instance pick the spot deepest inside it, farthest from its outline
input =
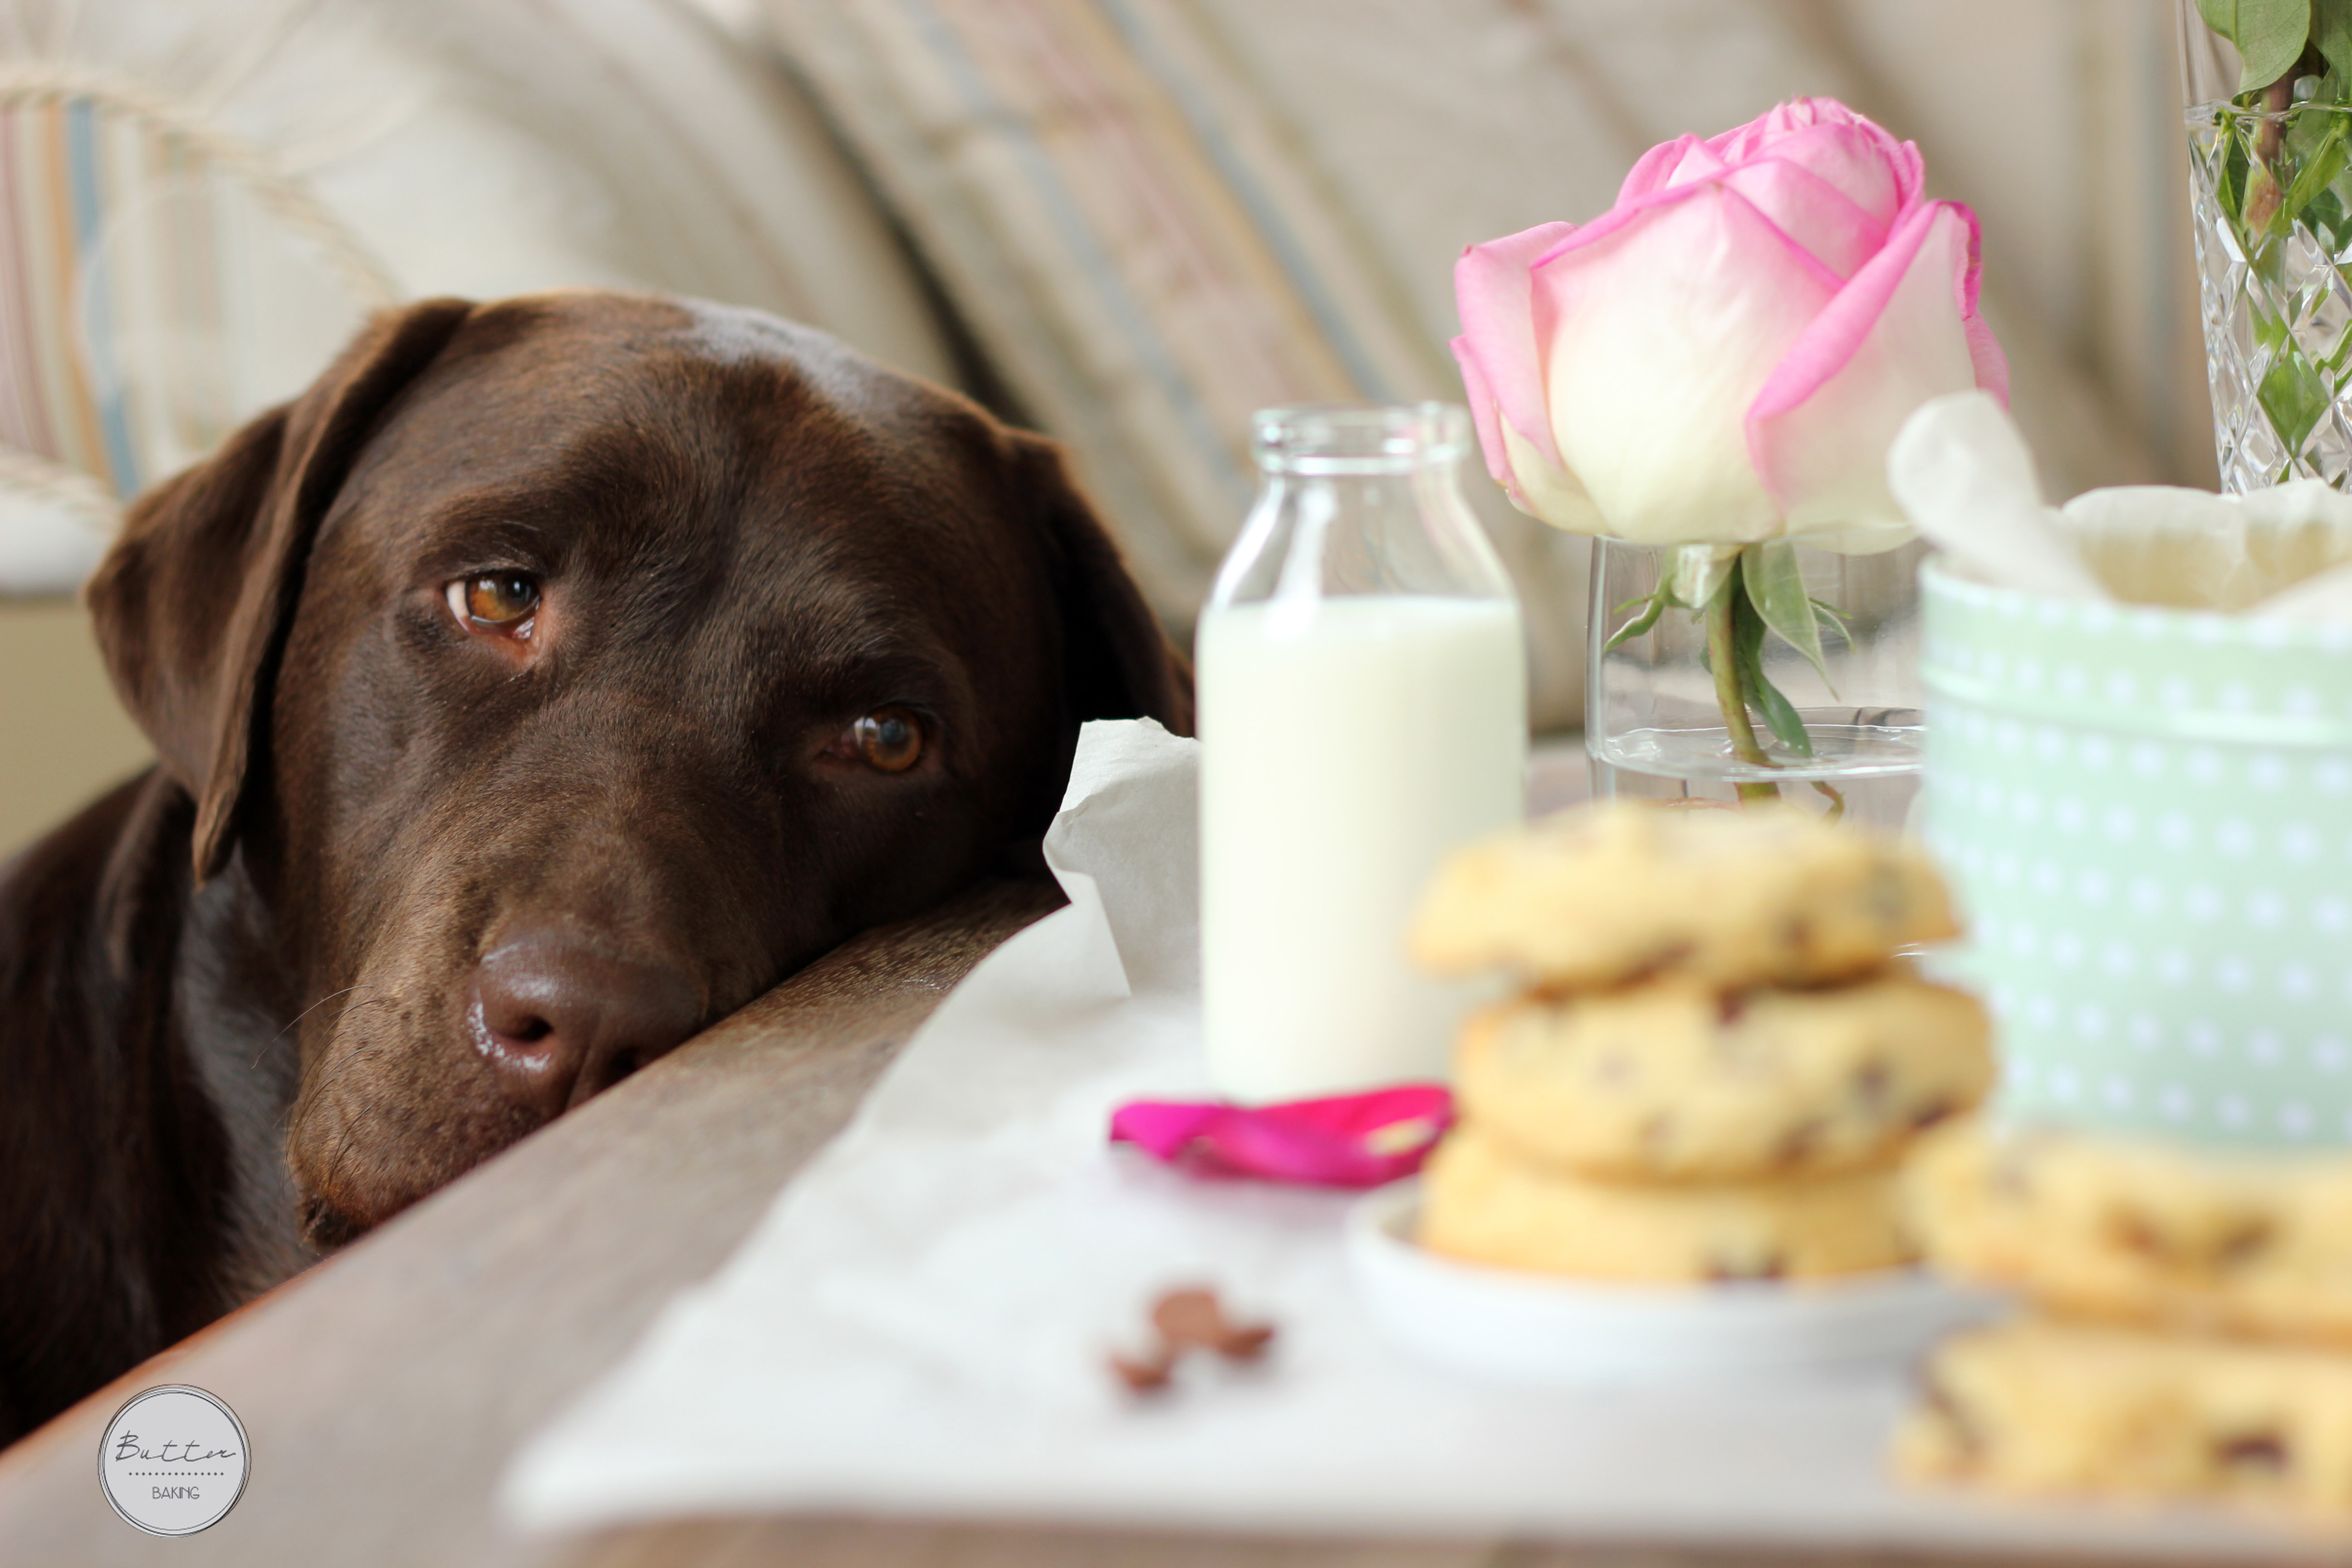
(234, 992)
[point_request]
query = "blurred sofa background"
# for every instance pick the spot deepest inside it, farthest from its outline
(1128, 223)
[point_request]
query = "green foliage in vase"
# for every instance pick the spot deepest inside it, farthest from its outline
(2277, 157)
(1762, 588)
(2270, 35)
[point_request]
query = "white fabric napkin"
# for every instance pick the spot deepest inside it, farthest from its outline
(1961, 470)
(920, 1324)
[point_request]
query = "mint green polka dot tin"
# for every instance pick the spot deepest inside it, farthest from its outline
(2146, 816)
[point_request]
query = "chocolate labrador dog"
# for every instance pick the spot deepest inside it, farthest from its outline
(547, 681)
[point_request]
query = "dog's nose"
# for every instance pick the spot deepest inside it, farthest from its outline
(559, 1022)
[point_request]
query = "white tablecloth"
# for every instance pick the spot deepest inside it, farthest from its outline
(919, 1326)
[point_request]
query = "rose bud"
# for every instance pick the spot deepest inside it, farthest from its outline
(1725, 354)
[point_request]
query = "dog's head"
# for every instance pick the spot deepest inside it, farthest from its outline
(565, 671)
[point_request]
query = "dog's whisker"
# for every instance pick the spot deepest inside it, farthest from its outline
(255, 1063)
(323, 1002)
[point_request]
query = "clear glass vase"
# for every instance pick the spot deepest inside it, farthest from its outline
(1849, 740)
(2271, 199)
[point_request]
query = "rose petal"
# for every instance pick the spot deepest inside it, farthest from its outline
(1487, 418)
(1493, 296)
(1834, 229)
(1877, 171)
(1551, 495)
(1667, 327)
(1891, 339)
(1345, 1141)
(1656, 169)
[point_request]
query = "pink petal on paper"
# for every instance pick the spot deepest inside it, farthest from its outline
(1893, 338)
(1347, 1141)
(1494, 296)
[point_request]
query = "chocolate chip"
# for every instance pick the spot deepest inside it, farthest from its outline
(2245, 1242)
(1935, 1110)
(1797, 933)
(1870, 1082)
(1799, 1143)
(1670, 956)
(2262, 1452)
(1728, 1270)
(2135, 1232)
(1730, 1005)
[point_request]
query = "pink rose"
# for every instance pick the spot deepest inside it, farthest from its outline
(1725, 354)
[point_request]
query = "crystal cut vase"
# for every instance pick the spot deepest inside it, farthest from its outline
(2274, 270)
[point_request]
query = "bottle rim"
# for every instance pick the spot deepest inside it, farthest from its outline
(1360, 438)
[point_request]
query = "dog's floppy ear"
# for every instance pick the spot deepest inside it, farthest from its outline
(192, 605)
(1117, 662)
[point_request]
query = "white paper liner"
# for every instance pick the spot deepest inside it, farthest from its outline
(920, 1327)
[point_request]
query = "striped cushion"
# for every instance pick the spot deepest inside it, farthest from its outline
(1150, 252)
(193, 218)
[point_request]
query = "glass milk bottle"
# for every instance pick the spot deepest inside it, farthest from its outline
(1362, 709)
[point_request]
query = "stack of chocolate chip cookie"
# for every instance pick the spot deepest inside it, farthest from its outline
(1716, 1061)
(2193, 1325)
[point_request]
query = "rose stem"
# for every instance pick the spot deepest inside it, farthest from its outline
(2277, 99)
(1724, 658)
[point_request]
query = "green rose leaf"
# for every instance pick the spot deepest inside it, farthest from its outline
(1747, 627)
(1652, 608)
(2320, 170)
(2270, 35)
(2331, 34)
(1776, 586)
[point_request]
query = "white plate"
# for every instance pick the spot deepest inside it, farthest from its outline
(1506, 1325)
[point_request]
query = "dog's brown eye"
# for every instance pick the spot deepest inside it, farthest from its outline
(889, 738)
(495, 599)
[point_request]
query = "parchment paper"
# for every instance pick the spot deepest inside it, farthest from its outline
(919, 1326)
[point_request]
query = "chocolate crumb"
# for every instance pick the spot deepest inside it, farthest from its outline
(1195, 1319)
(2261, 1451)
(1145, 1376)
